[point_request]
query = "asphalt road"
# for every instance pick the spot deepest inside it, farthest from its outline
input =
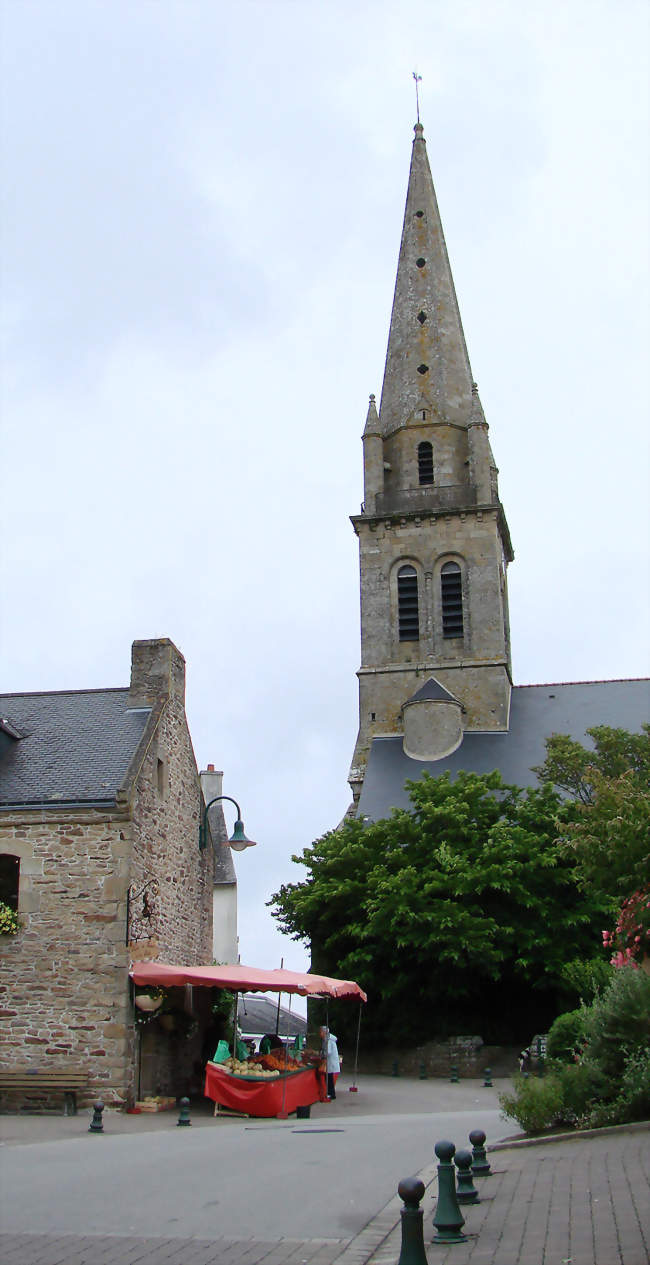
(325, 1177)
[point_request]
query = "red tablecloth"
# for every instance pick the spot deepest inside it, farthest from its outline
(263, 1097)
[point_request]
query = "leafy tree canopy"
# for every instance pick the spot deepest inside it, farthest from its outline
(608, 830)
(456, 916)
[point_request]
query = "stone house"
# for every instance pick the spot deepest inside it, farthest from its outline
(100, 806)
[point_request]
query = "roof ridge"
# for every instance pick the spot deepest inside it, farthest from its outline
(107, 689)
(607, 680)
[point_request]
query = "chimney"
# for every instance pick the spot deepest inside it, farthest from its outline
(211, 786)
(157, 671)
(211, 783)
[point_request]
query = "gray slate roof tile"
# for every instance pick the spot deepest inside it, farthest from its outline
(536, 712)
(77, 746)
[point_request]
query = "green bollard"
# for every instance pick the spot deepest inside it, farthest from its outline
(184, 1114)
(454, 1074)
(488, 1077)
(448, 1219)
(97, 1124)
(423, 1072)
(395, 1071)
(411, 1190)
(466, 1192)
(480, 1165)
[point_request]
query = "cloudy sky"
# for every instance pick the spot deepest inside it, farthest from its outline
(202, 205)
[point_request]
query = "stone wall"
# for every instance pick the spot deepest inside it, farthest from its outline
(63, 978)
(436, 1058)
(166, 813)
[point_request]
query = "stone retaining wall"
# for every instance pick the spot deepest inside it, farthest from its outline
(436, 1058)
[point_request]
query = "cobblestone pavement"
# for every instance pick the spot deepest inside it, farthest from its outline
(70, 1249)
(580, 1201)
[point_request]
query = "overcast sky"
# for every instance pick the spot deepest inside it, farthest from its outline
(202, 207)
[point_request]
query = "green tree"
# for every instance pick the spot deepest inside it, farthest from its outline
(608, 828)
(456, 916)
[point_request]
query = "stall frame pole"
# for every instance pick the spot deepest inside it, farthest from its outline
(353, 1086)
(283, 1114)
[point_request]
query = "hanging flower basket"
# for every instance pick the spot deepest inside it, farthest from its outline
(10, 923)
(149, 1002)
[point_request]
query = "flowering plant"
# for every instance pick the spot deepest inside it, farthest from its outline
(629, 942)
(9, 921)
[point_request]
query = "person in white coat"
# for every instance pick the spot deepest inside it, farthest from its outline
(330, 1052)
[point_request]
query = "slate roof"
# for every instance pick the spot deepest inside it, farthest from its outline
(259, 1014)
(432, 689)
(76, 748)
(536, 712)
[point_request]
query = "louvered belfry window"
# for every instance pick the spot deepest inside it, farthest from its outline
(425, 462)
(407, 604)
(451, 584)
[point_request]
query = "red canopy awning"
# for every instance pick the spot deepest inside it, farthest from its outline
(244, 979)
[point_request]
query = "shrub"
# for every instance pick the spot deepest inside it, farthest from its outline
(535, 1104)
(633, 1099)
(566, 1036)
(617, 1024)
(599, 1062)
(580, 1088)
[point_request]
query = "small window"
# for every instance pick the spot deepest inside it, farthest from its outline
(160, 776)
(451, 584)
(425, 462)
(9, 879)
(407, 604)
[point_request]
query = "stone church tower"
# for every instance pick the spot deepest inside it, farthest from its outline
(433, 539)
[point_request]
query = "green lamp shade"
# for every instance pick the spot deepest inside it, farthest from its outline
(238, 840)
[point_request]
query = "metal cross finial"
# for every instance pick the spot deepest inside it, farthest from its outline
(418, 79)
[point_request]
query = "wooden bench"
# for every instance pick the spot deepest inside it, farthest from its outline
(37, 1081)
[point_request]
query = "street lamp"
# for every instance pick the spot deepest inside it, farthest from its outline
(237, 840)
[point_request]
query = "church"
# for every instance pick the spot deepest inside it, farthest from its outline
(435, 682)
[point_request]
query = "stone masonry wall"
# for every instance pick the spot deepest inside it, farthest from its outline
(166, 815)
(63, 992)
(436, 1058)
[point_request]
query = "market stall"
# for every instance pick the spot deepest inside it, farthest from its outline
(262, 1098)
(261, 1086)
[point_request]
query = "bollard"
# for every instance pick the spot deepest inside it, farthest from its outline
(184, 1114)
(395, 1071)
(466, 1192)
(480, 1165)
(97, 1124)
(423, 1072)
(488, 1077)
(448, 1219)
(411, 1190)
(454, 1074)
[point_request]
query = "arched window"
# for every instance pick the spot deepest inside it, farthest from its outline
(407, 604)
(9, 879)
(425, 462)
(451, 585)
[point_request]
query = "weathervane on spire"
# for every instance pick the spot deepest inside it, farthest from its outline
(418, 79)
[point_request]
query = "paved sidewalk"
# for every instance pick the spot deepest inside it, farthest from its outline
(580, 1201)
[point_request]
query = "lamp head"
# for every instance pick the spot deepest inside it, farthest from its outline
(238, 841)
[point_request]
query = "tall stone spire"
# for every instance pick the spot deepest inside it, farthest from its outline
(433, 538)
(427, 365)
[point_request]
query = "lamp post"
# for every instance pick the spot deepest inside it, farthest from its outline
(237, 840)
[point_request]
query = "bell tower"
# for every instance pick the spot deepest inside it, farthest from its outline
(433, 539)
